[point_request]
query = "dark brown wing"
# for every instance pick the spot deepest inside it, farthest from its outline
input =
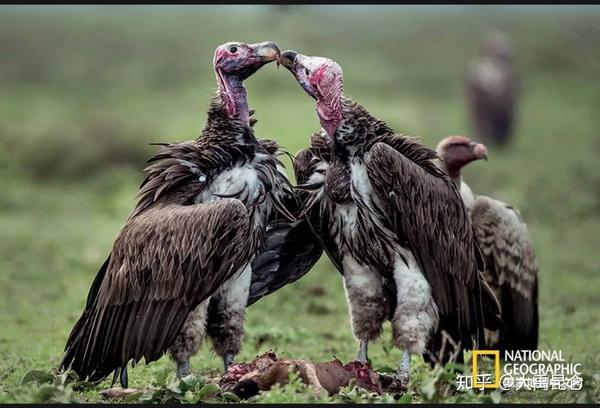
(310, 169)
(512, 269)
(290, 249)
(427, 214)
(165, 261)
(289, 252)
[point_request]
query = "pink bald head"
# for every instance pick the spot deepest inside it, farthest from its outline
(458, 151)
(233, 63)
(323, 79)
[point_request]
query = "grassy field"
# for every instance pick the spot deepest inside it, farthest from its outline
(86, 89)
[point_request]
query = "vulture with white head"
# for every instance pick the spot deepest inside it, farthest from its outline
(181, 266)
(391, 222)
(511, 266)
(492, 90)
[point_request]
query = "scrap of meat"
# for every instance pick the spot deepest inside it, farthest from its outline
(247, 379)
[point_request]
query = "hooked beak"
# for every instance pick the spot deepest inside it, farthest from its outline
(287, 59)
(479, 150)
(266, 51)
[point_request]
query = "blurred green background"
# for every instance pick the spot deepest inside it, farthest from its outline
(85, 89)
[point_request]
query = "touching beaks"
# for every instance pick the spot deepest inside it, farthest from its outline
(267, 51)
(287, 58)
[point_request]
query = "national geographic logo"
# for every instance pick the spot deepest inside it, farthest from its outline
(522, 369)
(475, 373)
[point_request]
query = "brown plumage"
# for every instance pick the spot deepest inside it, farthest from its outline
(392, 223)
(414, 201)
(164, 263)
(512, 272)
(511, 266)
(172, 254)
(212, 232)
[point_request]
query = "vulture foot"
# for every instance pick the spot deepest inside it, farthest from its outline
(402, 377)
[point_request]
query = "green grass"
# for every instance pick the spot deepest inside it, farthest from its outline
(86, 90)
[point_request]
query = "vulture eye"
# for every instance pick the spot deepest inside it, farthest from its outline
(233, 49)
(306, 71)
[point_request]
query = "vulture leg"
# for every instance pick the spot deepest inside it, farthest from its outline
(416, 314)
(189, 339)
(367, 303)
(228, 360)
(362, 355)
(403, 374)
(183, 368)
(226, 315)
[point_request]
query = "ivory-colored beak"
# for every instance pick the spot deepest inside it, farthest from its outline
(479, 150)
(268, 51)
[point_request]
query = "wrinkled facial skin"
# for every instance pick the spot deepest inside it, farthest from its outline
(308, 71)
(242, 60)
(322, 79)
(458, 151)
(233, 63)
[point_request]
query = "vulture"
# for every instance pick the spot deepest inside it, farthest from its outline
(511, 266)
(391, 222)
(212, 223)
(492, 87)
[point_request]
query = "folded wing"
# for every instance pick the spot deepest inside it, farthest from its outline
(165, 261)
(428, 217)
(511, 264)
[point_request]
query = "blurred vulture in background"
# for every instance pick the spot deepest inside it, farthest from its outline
(492, 90)
(181, 265)
(502, 235)
(391, 222)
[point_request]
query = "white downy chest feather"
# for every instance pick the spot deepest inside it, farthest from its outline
(242, 180)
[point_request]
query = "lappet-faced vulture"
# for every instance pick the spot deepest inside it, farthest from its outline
(492, 90)
(181, 265)
(511, 266)
(391, 222)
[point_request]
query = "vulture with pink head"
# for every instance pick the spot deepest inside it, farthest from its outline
(211, 233)
(502, 235)
(391, 222)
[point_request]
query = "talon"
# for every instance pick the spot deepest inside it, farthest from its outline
(399, 384)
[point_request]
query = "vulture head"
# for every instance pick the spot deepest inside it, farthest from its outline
(236, 61)
(322, 79)
(455, 152)
(497, 45)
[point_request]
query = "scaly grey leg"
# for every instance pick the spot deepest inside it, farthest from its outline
(183, 368)
(228, 360)
(362, 355)
(403, 374)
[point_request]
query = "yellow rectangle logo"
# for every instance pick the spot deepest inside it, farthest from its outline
(496, 354)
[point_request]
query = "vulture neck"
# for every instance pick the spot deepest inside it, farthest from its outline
(234, 96)
(354, 132)
(456, 177)
(331, 114)
(453, 173)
